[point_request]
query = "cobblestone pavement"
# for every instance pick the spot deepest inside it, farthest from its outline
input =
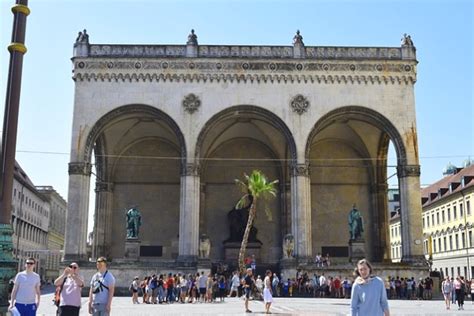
(282, 306)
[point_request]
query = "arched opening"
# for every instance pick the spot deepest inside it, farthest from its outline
(139, 152)
(347, 151)
(237, 141)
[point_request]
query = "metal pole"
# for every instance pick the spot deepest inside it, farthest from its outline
(10, 125)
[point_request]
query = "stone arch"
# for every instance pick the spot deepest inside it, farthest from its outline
(102, 122)
(246, 109)
(363, 114)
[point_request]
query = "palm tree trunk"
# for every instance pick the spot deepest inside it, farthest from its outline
(245, 239)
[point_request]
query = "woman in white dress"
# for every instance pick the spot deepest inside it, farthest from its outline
(267, 291)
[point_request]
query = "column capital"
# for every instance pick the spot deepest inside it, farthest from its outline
(103, 186)
(408, 171)
(191, 169)
(80, 168)
(300, 169)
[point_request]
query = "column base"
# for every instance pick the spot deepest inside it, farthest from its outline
(186, 261)
(416, 261)
(9, 265)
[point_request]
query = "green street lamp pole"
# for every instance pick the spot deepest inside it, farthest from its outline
(10, 126)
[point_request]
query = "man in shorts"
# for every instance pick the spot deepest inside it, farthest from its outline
(248, 282)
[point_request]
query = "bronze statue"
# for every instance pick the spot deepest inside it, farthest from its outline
(237, 222)
(356, 227)
(134, 221)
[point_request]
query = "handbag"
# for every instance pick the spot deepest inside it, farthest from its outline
(57, 293)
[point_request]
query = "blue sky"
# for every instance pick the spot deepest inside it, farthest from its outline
(441, 30)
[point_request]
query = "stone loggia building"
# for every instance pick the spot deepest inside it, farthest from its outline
(170, 127)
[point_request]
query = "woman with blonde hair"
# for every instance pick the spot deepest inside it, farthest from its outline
(368, 292)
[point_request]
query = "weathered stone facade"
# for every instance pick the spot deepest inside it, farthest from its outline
(172, 126)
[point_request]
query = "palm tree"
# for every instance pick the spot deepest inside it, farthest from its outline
(254, 187)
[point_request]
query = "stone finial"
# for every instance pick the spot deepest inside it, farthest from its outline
(82, 37)
(406, 40)
(192, 38)
(298, 39)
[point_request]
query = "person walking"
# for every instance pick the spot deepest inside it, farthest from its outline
(248, 283)
(267, 291)
(368, 295)
(235, 282)
(72, 284)
(460, 288)
(472, 290)
(102, 290)
(447, 288)
(26, 294)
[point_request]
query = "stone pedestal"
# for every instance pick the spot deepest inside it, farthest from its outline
(231, 250)
(356, 250)
(132, 249)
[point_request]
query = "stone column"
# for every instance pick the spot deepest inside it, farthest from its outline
(103, 221)
(381, 233)
(189, 214)
(77, 211)
(301, 211)
(410, 212)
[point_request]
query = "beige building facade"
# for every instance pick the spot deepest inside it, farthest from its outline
(30, 221)
(56, 229)
(169, 128)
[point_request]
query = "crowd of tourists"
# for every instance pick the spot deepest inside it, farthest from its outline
(211, 288)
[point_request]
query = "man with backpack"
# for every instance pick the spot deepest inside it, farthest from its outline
(102, 290)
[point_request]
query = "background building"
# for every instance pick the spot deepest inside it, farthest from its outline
(448, 222)
(56, 229)
(30, 221)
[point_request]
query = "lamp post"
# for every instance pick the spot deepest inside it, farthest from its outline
(10, 125)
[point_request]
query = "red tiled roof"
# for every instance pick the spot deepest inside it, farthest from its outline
(444, 183)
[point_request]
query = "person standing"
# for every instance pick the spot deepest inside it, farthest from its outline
(72, 284)
(472, 290)
(134, 288)
(267, 291)
(248, 283)
(102, 290)
(368, 295)
(447, 288)
(26, 294)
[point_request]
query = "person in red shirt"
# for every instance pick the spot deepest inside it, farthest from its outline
(170, 286)
(337, 287)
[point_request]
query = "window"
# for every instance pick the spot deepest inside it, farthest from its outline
(459, 271)
(463, 239)
(461, 211)
(447, 272)
(423, 222)
(470, 238)
(449, 214)
(468, 208)
(434, 245)
(443, 217)
(450, 242)
(14, 192)
(439, 244)
(454, 212)
(428, 221)
(437, 218)
(444, 244)
(456, 239)
(432, 219)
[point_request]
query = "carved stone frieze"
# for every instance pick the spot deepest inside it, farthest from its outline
(408, 171)
(216, 51)
(299, 104)
(191, 169)
(300, 169)
(80, 168)
(191, 103)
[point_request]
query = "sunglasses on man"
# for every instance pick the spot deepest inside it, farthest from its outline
(30, 263)
(72, 267)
